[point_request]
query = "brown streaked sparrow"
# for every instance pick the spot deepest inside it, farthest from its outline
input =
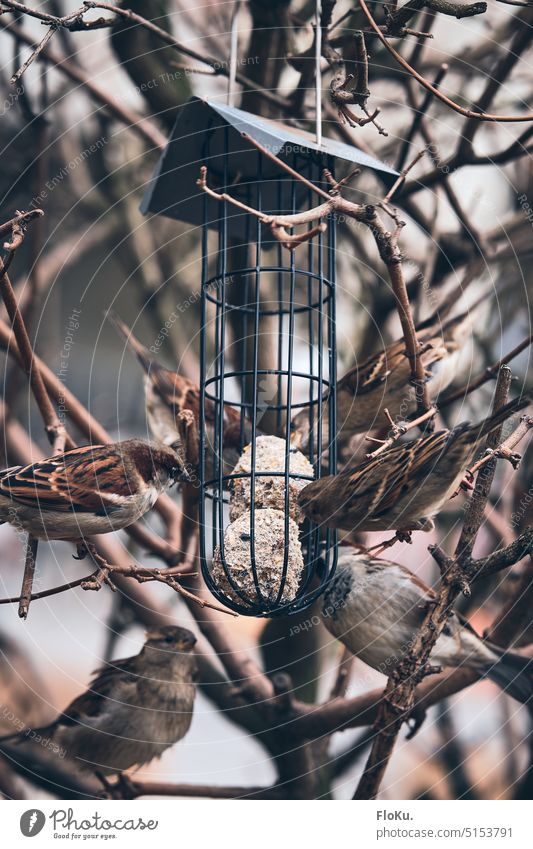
(375, 608)
(405, 486)
(382, 382)
(133, 710)
(167, 393)
(90, 490)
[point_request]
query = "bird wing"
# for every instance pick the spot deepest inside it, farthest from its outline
(437, 334)
(405, 465)
(175, 390)
(180, 393)
(72, 482)
(113, 682)
(381, 481)
(375, 370)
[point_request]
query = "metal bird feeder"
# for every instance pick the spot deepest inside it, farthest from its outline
(257, 296)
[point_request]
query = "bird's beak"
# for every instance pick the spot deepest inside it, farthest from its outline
(185, 476)
(186, 644)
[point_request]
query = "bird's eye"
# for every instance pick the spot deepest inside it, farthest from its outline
(169, 638)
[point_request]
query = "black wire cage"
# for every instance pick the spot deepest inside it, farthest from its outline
(284, 301)
(267, 352)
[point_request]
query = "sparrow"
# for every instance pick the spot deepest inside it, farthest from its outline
(94, 489)
(133, 710)
(382, 381)
(375, 608)
(404, 487)
(167, 393)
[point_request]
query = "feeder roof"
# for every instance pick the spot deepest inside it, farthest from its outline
(205, 130)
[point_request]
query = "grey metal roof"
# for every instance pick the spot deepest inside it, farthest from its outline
(200, 133)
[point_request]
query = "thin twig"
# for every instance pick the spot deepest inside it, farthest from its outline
(399, 429)
(143, 127)
(505, 450)
(136, 789)
(419, 114)
(403, 174)
(29, 574)
(74, 22)
(54, 428)
(20, 218)
(468, 113)
(33, 55)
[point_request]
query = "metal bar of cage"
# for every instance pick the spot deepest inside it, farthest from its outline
(304, 283)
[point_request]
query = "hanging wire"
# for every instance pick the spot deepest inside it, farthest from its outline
(318, 77)
(233, 45)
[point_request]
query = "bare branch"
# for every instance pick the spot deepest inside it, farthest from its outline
(468, 113)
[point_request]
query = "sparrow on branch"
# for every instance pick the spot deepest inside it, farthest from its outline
(376, 608)
(132, 712)
(379, 390)
(90, 490)
(403, 487)
(168, 393)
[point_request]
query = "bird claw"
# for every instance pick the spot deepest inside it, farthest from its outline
(126, 787)
(427, 604)
(122, 788)
(466, 485)
(513, 457)
(399, 536)
(81, 551)
(244, 693)
(404, 536)
(94, 583)
(415, 721)
(106, 784)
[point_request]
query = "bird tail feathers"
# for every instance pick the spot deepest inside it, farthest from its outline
(477, 432)
(514, 674)
(28, 733)
(142, 353)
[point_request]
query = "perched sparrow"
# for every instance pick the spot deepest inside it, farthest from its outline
(382, 382)
(375, 608)
(167, 393)
(134, 709)
(90, 490)
(403, 487)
